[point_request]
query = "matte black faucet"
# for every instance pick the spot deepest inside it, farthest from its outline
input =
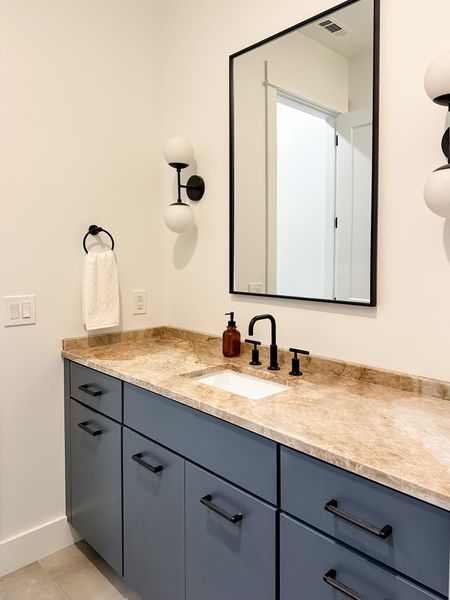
(273, 346)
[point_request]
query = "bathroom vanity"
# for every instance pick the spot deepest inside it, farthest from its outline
(190, 492)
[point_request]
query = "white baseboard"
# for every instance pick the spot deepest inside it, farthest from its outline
(32, 545)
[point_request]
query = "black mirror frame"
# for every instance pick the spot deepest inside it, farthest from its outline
(375, 169)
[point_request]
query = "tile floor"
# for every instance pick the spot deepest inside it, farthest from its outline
(74, 573)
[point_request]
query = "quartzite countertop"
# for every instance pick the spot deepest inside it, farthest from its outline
(397, 434)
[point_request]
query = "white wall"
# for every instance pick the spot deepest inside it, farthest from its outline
(409, 330)
(78, 145)
(314, 73)
(360, 70)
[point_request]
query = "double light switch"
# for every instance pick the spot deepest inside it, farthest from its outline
(20, 310)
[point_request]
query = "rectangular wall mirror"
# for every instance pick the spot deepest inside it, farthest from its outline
(303, 160)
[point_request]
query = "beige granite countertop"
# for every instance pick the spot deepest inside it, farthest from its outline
(395, 432)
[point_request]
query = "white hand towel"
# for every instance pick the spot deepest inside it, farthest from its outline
(100, 290)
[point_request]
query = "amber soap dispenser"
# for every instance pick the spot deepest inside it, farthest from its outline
(231, 339)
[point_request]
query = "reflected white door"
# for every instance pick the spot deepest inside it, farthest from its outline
(353, 206)
(304, 200)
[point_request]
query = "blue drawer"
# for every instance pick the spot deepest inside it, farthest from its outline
(419, 543)
(97, 390)
(240, 456)
(314, 567)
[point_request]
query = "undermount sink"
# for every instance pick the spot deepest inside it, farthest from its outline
(248, 386)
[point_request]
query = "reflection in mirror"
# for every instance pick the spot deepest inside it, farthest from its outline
(303, 202)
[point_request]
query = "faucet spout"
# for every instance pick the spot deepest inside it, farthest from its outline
(273, 345)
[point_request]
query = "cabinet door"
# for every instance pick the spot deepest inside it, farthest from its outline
(230, 541)
(96, 486)
(153, 496)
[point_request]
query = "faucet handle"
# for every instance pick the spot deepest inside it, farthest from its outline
(255, 352)
(296, 361)
(298, 351)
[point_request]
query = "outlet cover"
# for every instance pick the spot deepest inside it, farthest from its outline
(255, 288)
(139, 302)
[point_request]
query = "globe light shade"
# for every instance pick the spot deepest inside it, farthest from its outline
(437, 79)
(179, 151)
(437, 191)
(179, 217)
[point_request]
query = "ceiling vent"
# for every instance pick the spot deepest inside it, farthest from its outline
(333, 27)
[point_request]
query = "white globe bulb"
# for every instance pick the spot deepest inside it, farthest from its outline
(179, 217)
(437, 191)
(437, 77)
(178, 150)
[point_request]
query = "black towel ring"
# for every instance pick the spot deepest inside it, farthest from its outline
(95, 230)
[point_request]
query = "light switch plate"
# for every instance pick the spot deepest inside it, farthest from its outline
(20, 310)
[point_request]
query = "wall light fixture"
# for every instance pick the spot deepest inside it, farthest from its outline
(179, 154)
(437, 85)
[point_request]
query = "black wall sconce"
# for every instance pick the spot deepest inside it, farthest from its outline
(179, 154)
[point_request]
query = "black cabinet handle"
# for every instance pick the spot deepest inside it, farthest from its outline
(138, 458)
(330, 579)
(92, 390)
(93, 432)
(207, 501)
(383, 533)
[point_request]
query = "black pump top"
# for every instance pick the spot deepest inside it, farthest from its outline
(231, 322)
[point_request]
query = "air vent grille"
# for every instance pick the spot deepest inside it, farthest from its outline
(333, 27)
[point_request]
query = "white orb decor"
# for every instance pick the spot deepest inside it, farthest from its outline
(179, 217)
(437, 191)
(178, 150)
(437, 79)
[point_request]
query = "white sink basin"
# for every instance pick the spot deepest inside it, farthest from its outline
(248, 386)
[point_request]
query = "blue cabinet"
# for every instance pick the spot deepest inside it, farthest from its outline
(329, 498)
(230, 541)
(236, 454)
(316, 567)
(97, 390)
(195, 508)
(153, 519)
(96, 481)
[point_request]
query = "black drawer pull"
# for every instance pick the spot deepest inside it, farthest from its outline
(138, 458)
(207, 501)
(383, 533)
(93, 432)
(330, 579)
(92, 390)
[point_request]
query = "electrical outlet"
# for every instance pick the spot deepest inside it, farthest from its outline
(255, 288)
(139, 302)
